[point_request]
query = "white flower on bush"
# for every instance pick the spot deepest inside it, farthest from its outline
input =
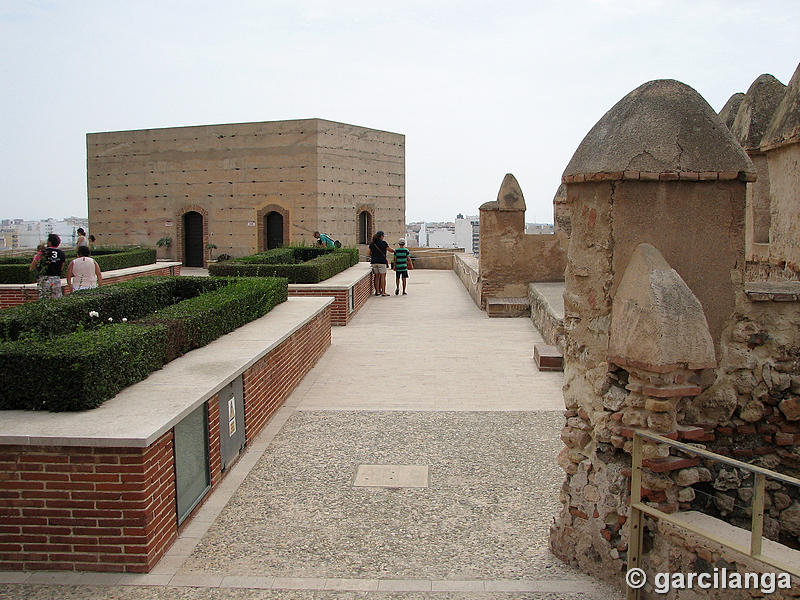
(94, 313)
(110, 319)
(124, 319)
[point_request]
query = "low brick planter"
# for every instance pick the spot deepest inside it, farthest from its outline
(14, 294)
(97, 491)
(350, 290)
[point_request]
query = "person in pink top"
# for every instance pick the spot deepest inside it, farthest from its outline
(83, 273)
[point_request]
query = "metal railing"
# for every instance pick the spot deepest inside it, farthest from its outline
(639, 508)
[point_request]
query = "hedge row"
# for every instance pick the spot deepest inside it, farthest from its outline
(196, 322)
(70, 252)
(124, 260)
(16, 269)
(131, 300)
(83, 369)
(313, 264)
(270, 257)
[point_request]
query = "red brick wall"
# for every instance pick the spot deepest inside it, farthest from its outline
(15, 296)
(362, 292)
(114, 509)
(214, 452)
(10, 296)
(270, 380)
(341, 314)
(92, 509)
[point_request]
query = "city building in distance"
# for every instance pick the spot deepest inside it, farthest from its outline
(19, 234)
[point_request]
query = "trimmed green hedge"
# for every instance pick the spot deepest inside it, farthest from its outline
(270, 257)
(81, 370)
(130, 299)
(196, 322)
(42, 370)
(19, 273)
(123, 260)
(309, 264)
(14, 269)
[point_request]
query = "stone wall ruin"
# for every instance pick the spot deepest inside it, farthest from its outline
(664, 333)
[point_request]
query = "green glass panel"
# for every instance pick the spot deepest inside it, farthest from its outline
(191, 460)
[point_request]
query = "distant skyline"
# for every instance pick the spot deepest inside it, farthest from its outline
(479, 89)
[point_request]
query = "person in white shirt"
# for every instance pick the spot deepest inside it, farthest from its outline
(83, 273)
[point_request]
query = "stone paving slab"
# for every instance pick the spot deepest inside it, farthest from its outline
(492, 492)
(431, 350)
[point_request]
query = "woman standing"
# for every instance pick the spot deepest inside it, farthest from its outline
(83, 273)
(377, 258)
(82, 241)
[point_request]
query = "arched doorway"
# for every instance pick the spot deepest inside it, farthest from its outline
(193, 239)
(273, 230)
(364, 227)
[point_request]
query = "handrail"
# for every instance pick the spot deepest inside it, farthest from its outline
(638, 508)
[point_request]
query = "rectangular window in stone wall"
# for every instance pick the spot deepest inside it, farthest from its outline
(191, 461)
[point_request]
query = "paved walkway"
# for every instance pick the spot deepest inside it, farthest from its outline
(425, 380)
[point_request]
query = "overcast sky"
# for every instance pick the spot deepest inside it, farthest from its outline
(478, 88)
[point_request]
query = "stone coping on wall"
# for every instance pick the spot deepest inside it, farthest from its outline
(469, 260)
(777, 291)
(341, 281)
(547, 311)
(552, 294)
(107, 275)
(139, 414)
(668, 176)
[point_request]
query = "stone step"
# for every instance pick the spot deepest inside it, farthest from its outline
(508, 307)
(548, 358)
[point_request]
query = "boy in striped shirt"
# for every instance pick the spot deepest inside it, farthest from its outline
(402, 263)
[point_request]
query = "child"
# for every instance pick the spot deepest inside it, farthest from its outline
(402, 263)
(37, 257)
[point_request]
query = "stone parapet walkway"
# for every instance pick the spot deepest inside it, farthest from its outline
(427, 380)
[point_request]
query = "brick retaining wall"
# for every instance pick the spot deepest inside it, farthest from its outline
(341, 314)
(114, 508)
(271, 379)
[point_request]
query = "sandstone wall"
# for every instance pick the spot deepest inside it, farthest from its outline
(784, 173)
(316, 173)
(360, 168)
(510, 259)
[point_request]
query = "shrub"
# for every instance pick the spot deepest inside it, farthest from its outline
(270, 257)
(197, 321)
(81, 370)
(130, 299)
(122, 260)
(315, 264)
(17, 273)
(306, 253)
